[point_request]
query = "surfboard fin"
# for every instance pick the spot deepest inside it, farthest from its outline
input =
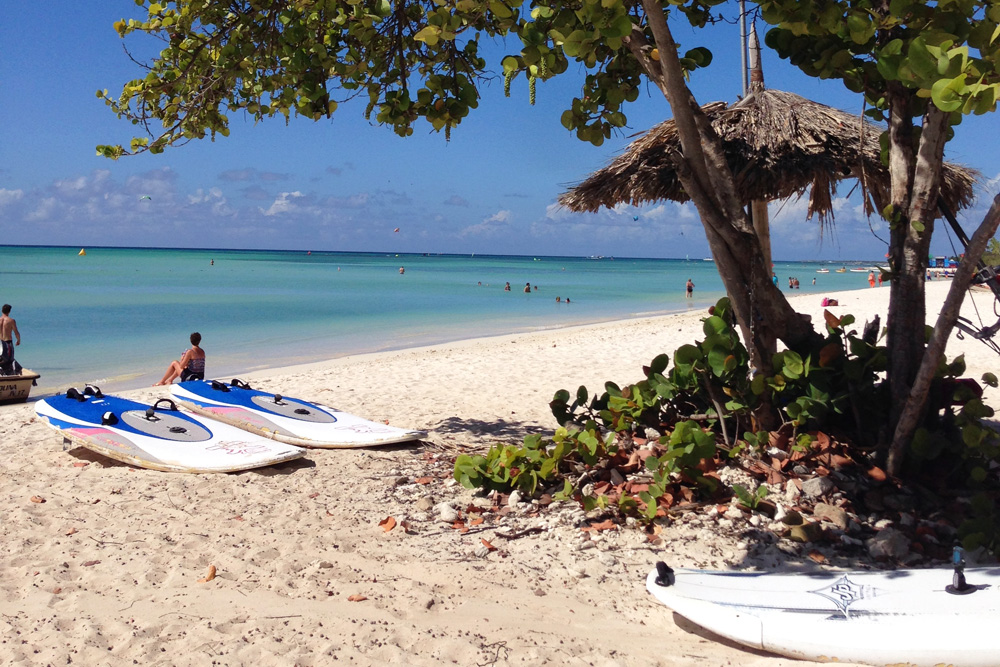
(664, 574)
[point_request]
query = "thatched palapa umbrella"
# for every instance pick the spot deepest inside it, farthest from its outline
(778, 145)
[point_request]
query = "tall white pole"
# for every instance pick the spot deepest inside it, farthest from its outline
(743, 45)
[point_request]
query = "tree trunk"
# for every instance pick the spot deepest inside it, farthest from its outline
(762, 311)
(913, 410)
(915, 186)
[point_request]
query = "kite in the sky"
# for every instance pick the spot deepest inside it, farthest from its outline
(396, 229)
(145, 197)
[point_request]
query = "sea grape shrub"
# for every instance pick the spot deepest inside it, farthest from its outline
(675, 423)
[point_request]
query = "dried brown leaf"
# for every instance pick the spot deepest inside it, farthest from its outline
(209, 576)
(71, 531)
(387, 523)
(357, 597)
(37, 499)
(91, 562)
(487, 544)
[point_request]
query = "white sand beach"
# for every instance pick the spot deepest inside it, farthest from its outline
(107, 570)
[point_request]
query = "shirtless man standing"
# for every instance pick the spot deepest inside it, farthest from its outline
(7, 327)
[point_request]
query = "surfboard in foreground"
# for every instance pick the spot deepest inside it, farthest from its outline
(158, 437)
(902, 617)
(285, 419)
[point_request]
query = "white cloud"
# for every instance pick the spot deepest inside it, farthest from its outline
(492, 226)
(286, 202)
(8, 197)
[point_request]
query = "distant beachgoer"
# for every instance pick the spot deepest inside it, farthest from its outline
(402, 270)
(527, 288)
(567, 299)
(191, 365)
(212, 263)
(506, 287)
(8, 332)
(814, 281)
(688, 289)
(871, 279)
(536, 288)
(879, 278)
(558, 299)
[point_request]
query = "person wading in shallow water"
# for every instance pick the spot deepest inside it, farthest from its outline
(689, 288)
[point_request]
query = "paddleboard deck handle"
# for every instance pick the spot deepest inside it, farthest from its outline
(277, 400)
(219, 386)
(93, 390)
(109, 418)
(239, 384)
(664, 575)
(151, 411)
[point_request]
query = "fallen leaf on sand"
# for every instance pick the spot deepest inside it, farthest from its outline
(475, 521)
(387, 523)
(81, 464)
(91, 562)
(487, 544)
(357, 597)
(424, 480)
(407, 528)
(37, 499)
(817, 557)
(314, 495)
(385, 421)
(601, 525)
(57, 590)
(208, 577)
(237, 518)
(460, 526)
(71, 531)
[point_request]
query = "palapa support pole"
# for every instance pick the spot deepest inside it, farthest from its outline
(758, 209)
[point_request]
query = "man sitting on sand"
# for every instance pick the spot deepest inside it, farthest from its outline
(8, 330)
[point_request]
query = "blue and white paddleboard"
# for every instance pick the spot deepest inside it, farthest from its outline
(159, 437)
(902, 617)
(285, 419)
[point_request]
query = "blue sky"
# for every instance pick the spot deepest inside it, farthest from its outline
(345, 184)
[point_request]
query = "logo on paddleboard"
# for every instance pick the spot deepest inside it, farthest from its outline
(845, 592)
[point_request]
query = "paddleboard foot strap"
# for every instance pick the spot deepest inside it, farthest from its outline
(664, 574)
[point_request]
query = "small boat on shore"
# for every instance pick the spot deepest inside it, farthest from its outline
(15, 388)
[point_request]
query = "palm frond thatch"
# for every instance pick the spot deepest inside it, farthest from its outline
(778, 144)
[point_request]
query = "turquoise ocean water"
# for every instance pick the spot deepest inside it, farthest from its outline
(117, 316)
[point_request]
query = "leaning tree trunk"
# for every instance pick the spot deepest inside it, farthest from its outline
(762, 311)
(915, 405)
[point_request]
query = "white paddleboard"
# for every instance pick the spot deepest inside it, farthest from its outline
(285, 419)
(158, 437)
(902, 617)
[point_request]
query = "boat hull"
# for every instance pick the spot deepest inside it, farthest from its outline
(16, 388)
